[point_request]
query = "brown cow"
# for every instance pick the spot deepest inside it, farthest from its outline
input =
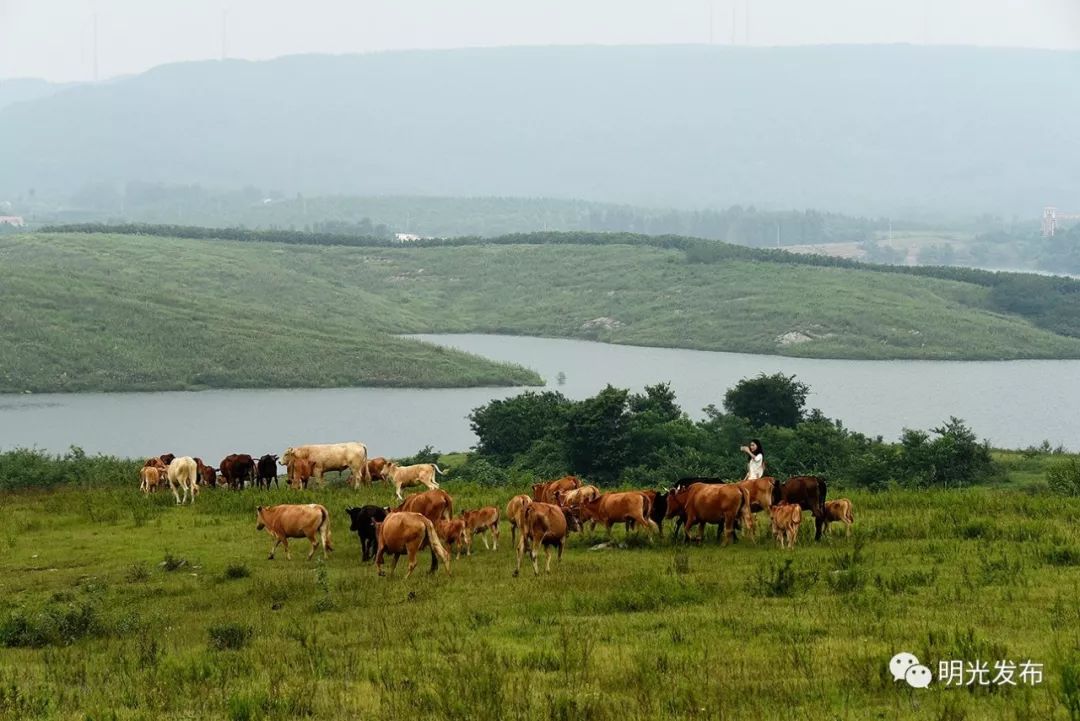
(481, 520)
(625, 506)
(704, 503)
(208, 476)
(543, 524)
(433, 505)
(786, 518)
(299, 472)
(454, 533)
(238, 468)
(809, 492)
(377, 469)
(515, 514)
(839, 510)
(407, 532)
(164, 459)
(286, 521)
(545, 492)
(760, 491)
(149, 477)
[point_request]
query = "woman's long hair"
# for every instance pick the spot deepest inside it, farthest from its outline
(756, 442)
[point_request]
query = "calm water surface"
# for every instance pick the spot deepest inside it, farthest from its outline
(1012, 403)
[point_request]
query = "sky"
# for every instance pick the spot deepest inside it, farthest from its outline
(54, 39)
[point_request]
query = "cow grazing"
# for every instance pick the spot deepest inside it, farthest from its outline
(543, 524)
(408, 533)
(377, 469)
(362, 520)
(786, 518)
(702, 503)
(237, 469)
(809, 492)
(575, 496)
(149, 478)
(208, 476)
(612, 508)
(453, 533)
(839, 510)
(420, 474)
(479, 522)
(332, 457)
(434, 505)
(515, 514)
(545, 492)
(310, 521)
(266, 471)
(182, 472)
(298, 472)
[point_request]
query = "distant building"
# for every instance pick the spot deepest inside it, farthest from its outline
(407, 237)
(15, 220)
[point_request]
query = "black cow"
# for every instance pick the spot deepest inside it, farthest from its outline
(267, 471)
(809, 493)
(363, 520)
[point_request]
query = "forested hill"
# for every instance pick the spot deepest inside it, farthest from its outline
(859, 129)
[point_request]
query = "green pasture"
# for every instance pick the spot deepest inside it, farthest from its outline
(126, 312)
(116, 605)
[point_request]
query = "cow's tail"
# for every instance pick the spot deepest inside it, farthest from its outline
(438, 470)
(324, 528)
(436, 545)
(365, 472)
(743, 515)
(448, 512)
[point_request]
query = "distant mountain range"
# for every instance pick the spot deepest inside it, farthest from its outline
(873, 130)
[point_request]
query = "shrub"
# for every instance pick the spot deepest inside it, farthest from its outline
(173, 563)
(780, 580)
(1064, 477)
(51, 626)
(137, 573)
(237, 570)
(229, 636)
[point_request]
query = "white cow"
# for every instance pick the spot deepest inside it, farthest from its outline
(183, 472)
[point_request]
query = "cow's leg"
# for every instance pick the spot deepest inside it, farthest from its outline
(495, 536)
(393, 564)
(513, 533)
(412, 560)
(273, 548)
(547, 553)
(520, 553)
(483, 537)
(288, 554)
(532, 554)
(397, 488)
(379, 559)
(819, 521)
(172, 487)
(562, 543)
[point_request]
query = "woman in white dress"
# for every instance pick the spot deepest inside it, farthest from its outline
(756, 467)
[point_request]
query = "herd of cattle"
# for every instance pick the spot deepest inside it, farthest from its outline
(544, 520)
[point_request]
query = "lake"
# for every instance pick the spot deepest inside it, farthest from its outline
(1011, 403)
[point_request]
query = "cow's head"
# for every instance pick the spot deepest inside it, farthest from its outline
(573, 523)
(260, 522)
(287, 456)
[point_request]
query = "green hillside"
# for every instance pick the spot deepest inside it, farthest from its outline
(113, 312)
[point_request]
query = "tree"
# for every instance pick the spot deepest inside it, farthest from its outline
(509, 427)
(598, 434)
(776, 400)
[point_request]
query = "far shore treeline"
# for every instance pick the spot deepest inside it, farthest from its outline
(619, 438)
(1050, 302)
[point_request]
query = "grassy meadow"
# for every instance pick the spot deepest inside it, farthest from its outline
(110, 312)
(114, 605)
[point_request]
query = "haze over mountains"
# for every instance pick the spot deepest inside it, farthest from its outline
(900, 130)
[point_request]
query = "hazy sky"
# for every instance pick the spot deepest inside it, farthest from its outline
(54, 38)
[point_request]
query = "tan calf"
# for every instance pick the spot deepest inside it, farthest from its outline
(839, 510)
(543, 524)
(479, 522)
(786, 518)
(421, 474)
(434, 505)
(454, 534)
(150, 477)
